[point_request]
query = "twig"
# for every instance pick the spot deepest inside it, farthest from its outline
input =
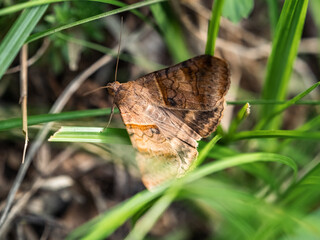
(24, 96)
(32, 60)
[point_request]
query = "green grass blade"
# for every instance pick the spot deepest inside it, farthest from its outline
(105, 225)
(44, 118)
(238, 208)
(277, 134)
(205, 151)
(257, 170)
(17, 35)
(289, 103)
(273, 10)
(91, 135)
(214, 23)
(236, 161)
(20, 6)
(219, 151)
(284, 50)
(93, 18)
(145, 223)
(171, 31)
(304, 194)
(312, 124)
(314, 8)
(273, 102)
(34, 3)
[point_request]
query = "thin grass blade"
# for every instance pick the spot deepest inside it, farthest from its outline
(17, 35)
(277, 134)
(103, 226)
(89, 19)
(284, 51)
(214, 24)
(280, 109)
(44, 118)
(91, 135)
(171, 30)
(145, 223)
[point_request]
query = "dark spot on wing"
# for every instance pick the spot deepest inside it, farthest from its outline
(172, 102)
(155, 130)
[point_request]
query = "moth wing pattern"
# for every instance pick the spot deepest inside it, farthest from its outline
(165, 150)
(166, 112)
(193, 90)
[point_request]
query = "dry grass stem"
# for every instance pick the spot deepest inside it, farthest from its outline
(33, 59)
(24, 96)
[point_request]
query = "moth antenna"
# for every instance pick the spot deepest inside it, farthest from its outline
(94, 90)
(119, 47)
(116, 72)
(117, 63)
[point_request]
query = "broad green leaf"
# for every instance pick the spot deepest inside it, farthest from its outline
(235, 10)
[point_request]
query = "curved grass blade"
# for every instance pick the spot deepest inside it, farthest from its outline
(304, 194)
(44, 118)
(280, 109)
(239, 160)
(103, 226)
(145, 223)
(272, 102)
(277, 134)
(89, 19)
(17, 35)
(34, 3)
(205, 151)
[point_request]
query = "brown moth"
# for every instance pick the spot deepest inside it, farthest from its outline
(166, 112)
